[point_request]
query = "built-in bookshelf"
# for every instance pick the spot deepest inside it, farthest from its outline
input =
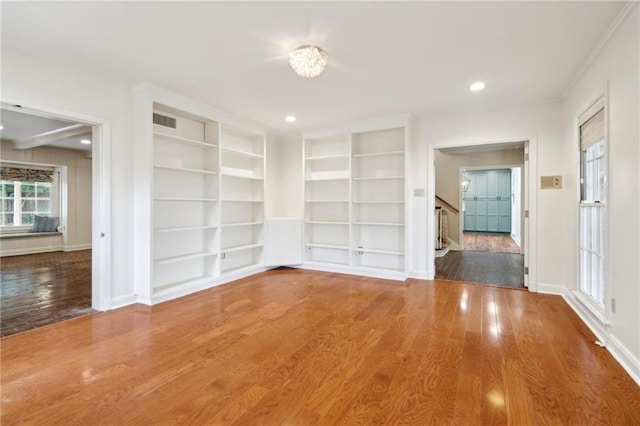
(185, 194)
(200, 201)
(327, 164)
(355, 200)
(242, 170)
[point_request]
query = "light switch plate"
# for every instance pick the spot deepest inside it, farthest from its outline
(418, 192)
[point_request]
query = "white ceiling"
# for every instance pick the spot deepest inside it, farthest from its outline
(26, 130)
(384, 58)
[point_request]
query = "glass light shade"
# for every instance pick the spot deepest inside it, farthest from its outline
(465, 184)
(308, 61)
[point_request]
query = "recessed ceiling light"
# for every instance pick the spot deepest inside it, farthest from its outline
(477, 86)
(290, 119)
(1, 127)
(85, 142)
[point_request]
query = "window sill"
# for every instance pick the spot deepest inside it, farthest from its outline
(593, 308)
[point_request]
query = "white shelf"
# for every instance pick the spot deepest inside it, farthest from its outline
(325, 222)
(326, 179)
(378, 224)
(378, 202)
(378, 251)
(327, 246)
(327, 201)
(227, 174)
(240, 248)
(241, 153)
(185, 170)
(228, 200)
(182, 258)
(207, 200)
(227, 225)
(378, 178)
(327, 157)
(378, 154)
(185, 141)
(185, 228)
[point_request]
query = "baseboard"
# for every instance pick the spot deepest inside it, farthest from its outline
(515, 239)
(363, 272)
(121, 301)
(620, 353)
(626, 359)
(419, 275)
(21, 252)
(77, 247)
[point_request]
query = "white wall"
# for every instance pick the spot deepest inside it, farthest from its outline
(285, 188)
(617, 66)
(78, 192)
(34, 82)
(543, 123)
(448, 165)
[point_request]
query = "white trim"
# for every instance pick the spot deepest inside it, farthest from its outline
(620, 353)
(101, 192)
(122, 301)
(22, 252)
(76, 247)
(529, 199)
(354, 270)
(419, 275)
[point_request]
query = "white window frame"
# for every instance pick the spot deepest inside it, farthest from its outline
(598, 308)
(56, 195)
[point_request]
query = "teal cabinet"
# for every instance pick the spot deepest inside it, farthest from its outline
(488, 201)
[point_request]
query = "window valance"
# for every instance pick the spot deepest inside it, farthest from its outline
(26, 175)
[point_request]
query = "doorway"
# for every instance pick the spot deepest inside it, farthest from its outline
(52, 180)
(485, 214)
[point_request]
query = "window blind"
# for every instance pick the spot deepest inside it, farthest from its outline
(592, 131)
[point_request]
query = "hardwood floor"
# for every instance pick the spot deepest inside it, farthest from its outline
(505, 269)
(305, 348)
(495, 243)
(40, 289)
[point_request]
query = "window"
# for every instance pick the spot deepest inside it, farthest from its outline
(21, 201)
(27, 191)
(593, 176)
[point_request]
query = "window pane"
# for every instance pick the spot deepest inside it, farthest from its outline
(43, 190)
(27, 218)
(28, 189)
(44, 206)
(9, 189)
(7, 205)
(7, 219)
(28, 206)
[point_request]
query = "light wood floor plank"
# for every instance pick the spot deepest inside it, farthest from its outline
(302, 347)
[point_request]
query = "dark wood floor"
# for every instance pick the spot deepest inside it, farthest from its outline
(306, 348)
(40, 289)
(505, 269)
(495, 243)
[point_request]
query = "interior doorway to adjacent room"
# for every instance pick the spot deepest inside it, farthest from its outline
(46, 220)
(480, 214)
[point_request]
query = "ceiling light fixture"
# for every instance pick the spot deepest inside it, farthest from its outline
(1, 127)
(477, 86)
(308, 61)
(290, 119)
(85, 142)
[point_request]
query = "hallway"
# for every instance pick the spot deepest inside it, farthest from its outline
(487, 258)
